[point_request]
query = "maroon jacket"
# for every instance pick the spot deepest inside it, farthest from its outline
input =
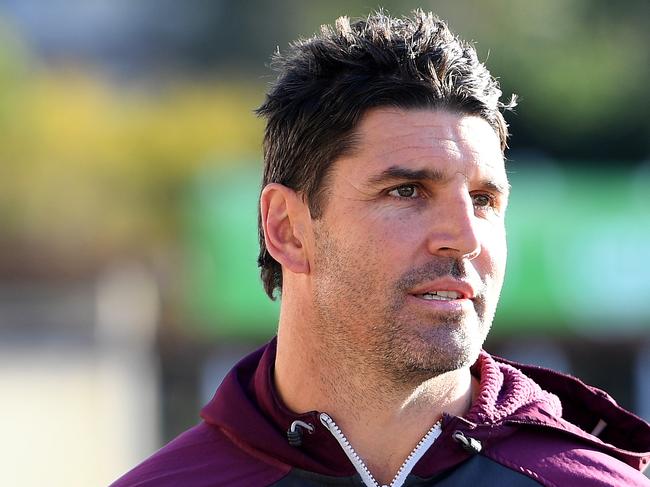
(528, 427)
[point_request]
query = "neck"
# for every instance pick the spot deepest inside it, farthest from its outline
(382, 419)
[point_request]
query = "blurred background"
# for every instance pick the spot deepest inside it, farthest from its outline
(129, 172)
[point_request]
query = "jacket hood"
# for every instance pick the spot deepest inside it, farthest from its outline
(511, 396)
(584, 411)
(255, 418)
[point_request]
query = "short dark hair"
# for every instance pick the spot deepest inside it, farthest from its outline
(326, 83)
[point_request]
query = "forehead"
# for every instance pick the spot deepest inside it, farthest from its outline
(424, 139)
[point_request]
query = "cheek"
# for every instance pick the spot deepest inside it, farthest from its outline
(382, 228)
(494, 253)
(379, 249)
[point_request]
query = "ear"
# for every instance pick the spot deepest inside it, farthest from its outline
(284, 219)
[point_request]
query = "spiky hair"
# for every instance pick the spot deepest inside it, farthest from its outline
(327, 82)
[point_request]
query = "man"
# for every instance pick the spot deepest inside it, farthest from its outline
(382, 227)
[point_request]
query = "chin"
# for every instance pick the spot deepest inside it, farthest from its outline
(444, 348)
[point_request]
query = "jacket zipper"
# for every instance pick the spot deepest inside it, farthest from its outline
(367, 477)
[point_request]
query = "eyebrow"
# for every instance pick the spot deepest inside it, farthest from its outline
(398, 173)
(403, 173)
(496, 186)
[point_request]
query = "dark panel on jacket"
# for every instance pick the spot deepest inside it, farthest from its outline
(478, 471)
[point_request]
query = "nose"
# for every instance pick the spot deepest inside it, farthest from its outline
(454, 231)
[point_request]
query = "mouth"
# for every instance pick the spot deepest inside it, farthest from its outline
(445, 290)
(440, 296)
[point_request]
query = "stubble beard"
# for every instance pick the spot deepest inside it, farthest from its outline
(373, 334)
(413, 352)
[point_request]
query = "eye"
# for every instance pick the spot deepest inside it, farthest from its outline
(405, 191)
(483, 200)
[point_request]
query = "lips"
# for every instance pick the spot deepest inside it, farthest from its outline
(441, 295)
(444, 290)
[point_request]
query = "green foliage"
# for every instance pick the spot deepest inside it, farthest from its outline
(89, 162)
(86, 164)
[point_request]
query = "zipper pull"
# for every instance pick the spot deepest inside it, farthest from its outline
(294, 433)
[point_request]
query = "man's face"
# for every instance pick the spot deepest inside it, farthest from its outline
(410, 251)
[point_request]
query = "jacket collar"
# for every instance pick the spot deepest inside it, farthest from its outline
(248, 409)
(583, 409)
(505, 393)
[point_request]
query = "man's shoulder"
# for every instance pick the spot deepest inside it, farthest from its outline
(557, 429)
(555, 457)
(203, 456)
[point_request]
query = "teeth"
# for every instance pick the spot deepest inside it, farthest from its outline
(441, 295)
(448, 294)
